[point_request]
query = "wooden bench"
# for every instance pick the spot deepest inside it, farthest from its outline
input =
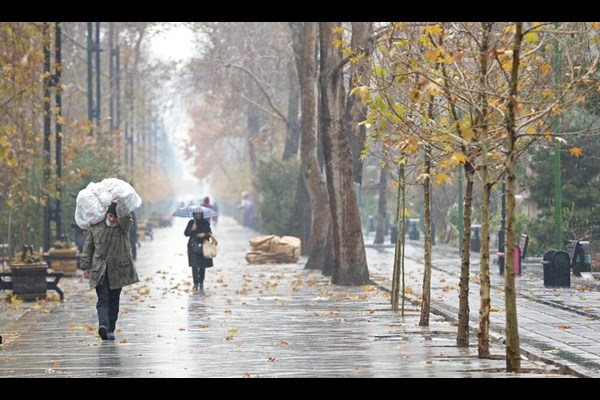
(52, 279)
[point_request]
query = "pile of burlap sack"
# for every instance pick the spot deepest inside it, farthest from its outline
(273, 249)
(93, 201)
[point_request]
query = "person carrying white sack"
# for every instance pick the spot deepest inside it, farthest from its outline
(106, 261)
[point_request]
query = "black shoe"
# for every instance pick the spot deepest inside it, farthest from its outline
(103, 332)
(201, 288)
(111, 336)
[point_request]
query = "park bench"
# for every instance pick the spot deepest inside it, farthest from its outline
(52, 279)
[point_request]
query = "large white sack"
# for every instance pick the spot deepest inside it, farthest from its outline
(93, 201)
(88, 210)
(123, 190)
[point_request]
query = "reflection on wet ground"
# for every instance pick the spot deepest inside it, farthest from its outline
(253, 321)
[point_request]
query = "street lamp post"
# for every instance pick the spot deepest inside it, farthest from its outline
(501, 251)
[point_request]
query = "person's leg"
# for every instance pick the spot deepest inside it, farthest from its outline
(195, 274)
(201, 273)
(102, 305)
(113, 311)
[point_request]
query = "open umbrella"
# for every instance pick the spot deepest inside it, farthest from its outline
(188, 212)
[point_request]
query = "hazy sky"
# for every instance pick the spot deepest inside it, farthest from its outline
(176, 44)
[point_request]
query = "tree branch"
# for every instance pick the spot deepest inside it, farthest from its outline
(261, 108)
(262, 89)
(11, 98)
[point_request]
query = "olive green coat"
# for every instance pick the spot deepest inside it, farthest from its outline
(109, 249)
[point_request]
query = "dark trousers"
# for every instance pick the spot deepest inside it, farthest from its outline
(198, 275)
(108, 304)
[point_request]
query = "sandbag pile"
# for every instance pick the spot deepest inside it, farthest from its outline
(93, 201)
(273, 249)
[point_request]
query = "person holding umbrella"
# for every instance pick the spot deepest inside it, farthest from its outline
(198, 230)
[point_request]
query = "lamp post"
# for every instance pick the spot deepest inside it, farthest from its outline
(501, 252)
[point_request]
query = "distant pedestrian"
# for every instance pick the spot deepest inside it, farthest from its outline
(198, 230)
(206, 203)
(106, 262)
(247, 211)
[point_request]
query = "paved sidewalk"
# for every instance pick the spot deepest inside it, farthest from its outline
(254, 321)
(558, 325)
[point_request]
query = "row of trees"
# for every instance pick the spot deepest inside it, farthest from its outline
(421, 105)
(79, 102)
(426, 103)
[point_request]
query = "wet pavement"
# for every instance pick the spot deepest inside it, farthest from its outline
(557, 325)
(268, 321)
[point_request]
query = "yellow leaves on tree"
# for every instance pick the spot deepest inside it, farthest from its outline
(361, 91)
(356, 58)
(458, 158)
(432, 55)
(545, 69)
(441, 178)
(547, 93)
(557, 110)
(434, 30)
(338, 30)
(575, 152)
(531, 38)
(467, 134)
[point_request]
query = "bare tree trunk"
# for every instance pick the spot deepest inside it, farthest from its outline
(513, 351)
(292, 134)
(483, 336)
(356, 111)
(399, 249)
(350, 267)
(462, 337)
(381, 208)
(315, 185)
(300, 225)
(426, 300)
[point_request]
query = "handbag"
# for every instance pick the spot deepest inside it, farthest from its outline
(209, 249)
(195, 246)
